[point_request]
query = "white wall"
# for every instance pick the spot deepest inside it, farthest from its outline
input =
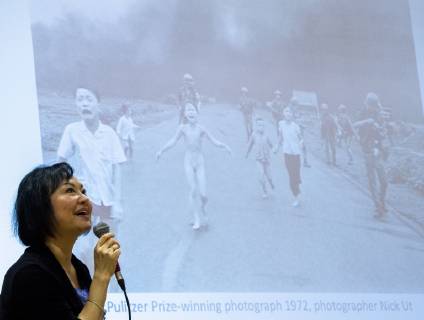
(20, 142)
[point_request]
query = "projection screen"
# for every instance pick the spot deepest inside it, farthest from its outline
(213, 220)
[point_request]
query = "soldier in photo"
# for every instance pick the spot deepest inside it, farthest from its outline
(246, 106)
(188, 94)
(329, 131)
(347, 133)
(372, 131)
(276, 107)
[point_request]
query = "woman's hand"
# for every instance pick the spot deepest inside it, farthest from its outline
(106, 254)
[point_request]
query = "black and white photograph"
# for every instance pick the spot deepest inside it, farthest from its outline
(241, 146)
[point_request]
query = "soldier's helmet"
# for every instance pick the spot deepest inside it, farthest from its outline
(244, 89)
(342, 108)
(372, 102)
(187, 77)
(277, 93)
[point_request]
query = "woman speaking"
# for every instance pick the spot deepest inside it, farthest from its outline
(48, 281)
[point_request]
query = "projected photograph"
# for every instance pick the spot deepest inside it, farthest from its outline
(241, 146)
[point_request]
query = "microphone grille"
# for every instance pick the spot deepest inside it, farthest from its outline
(100, 229)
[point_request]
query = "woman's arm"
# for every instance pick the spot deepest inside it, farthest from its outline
(106, 254)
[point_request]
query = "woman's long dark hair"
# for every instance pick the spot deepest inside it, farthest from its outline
(33, 217)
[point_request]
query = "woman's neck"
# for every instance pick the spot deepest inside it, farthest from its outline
(62, 250)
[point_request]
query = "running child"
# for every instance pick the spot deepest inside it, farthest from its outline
(260, 140)
(96, 154)
(194, 166)
(290, 137)
(125, 130)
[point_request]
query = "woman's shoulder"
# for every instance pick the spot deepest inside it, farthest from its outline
(25, 275)
(31, 284)
(21, 284)
(25, 272)
(30, 262)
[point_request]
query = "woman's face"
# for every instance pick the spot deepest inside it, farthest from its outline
(71, 208)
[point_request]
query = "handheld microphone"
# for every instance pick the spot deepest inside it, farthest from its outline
(100, 229)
